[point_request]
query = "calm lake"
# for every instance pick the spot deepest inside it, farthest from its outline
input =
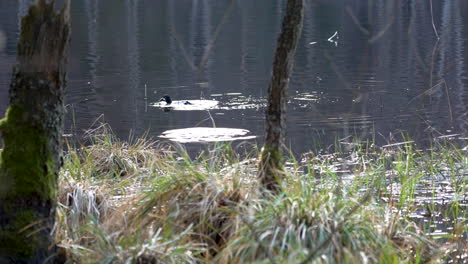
(367, 69)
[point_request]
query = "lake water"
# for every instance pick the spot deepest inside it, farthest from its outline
(367, 69)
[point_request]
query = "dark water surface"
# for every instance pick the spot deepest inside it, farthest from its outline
(363, 68)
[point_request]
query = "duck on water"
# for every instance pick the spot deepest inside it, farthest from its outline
(168, 101)
(167, 104)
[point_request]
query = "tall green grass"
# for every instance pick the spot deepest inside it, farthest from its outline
(140, 201)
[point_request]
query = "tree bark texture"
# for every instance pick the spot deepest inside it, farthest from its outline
(271, 161)
(32, 136)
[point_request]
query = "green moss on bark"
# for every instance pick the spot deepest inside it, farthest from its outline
(2, 123)
(24, 155)
(271, 168)
(26, 184)
(14, 238)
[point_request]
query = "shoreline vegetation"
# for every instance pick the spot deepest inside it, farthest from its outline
(142, 201)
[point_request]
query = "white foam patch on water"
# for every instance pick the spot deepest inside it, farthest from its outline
(206, 134)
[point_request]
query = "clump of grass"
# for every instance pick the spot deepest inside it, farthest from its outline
(152, 203)
(82, 200)
(107, 156)
(98, 184)
(169, 208)
(195, 195)
(309, 225)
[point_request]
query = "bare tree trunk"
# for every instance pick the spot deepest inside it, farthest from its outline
(32, 134)
(271, 160)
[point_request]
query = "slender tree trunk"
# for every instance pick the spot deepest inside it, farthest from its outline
(32, 133)
(271, 160)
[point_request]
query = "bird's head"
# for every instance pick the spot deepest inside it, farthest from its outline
(166, 99)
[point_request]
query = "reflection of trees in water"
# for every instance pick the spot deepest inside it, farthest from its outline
(403, 59)
(91, 8)
(383, 57)
(133, 54)
(449, 71)
(382, 65)
(82, 102)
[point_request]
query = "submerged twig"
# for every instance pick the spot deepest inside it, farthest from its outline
(433, 24)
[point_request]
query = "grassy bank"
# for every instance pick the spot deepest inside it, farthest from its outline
(145, 202)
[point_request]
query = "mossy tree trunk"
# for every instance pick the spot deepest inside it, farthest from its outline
(32, 136)
(271, 159)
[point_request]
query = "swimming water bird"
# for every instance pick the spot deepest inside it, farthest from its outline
(167, 104)
(168, 101)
